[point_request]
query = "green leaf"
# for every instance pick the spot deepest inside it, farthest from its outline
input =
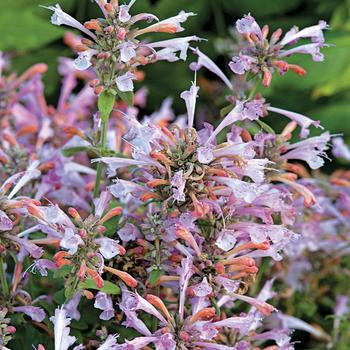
(108, 287)
(105, 104)
(62, 271)
(127, 97)
(224, 111)
(23, 30)
(154, 276)
(67, 152)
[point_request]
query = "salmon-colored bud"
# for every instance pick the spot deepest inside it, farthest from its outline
(297, 69)
(205, 314)
(158, 303)
(246, 136)
(267, 77)
(109, 29)
(74, 214)
(46, 166)
(35, 211)
(111, 214)
(184, 336)
(83, 234)
(298, 169)
(60, 255)
(217, 172)
(93, 83)
(63, 262)
(28, 129)
(82, 270)
(72, 130)
(282, 65)
(12, 330)
(93, 25)
(253, 37)
(98, 89)
(86, 42)
(95, 277)
(265, 31)
(39, 68)
(288, 130)
(175, 258)
(109, 8)
(88, 295)
(149, 195)
(121, 33)
(9, 138)
(157, 182)
(143, 243)
(220, 268)
(182, 233)
(161, 157)
(81, 48)
(124, 276)
(276, 34)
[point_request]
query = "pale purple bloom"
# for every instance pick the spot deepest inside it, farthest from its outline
(241, 323)
(309, 49)
(83, 61)
(174, 45)
(104, 302)
(32, 249)
(202, 289)
(174, 21)
(124, 15)
(30, 174)
(314, 32)
(34, 312)
(303, 121)
(205, 155)
(128, 232)
(190, 98)
(71, 241)
(226, 240)
(125, 82)
(127, 51)
(61, 330)
(109, 248)
(248, 25)
(42, 265)
(241, 64)
(185, 275)
(205, 61)
(311, 150)
(71, 307)
(101, 203)
(242, 190)
(178, 184)
(110, 343)
(5, 222)
(340, 148)
(60, 17)
(251, 110)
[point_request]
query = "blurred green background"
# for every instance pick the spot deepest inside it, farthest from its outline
(322, 94)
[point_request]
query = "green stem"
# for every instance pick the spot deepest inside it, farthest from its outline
(100, 164)
(253, 91)
(157, 244)
(5, 287)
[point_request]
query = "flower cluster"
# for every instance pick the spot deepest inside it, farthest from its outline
(170, 253)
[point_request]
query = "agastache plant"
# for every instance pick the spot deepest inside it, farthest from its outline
(169, 248)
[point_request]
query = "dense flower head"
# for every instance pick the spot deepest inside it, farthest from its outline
(262, 57)
(114, 48)
(179, 243)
